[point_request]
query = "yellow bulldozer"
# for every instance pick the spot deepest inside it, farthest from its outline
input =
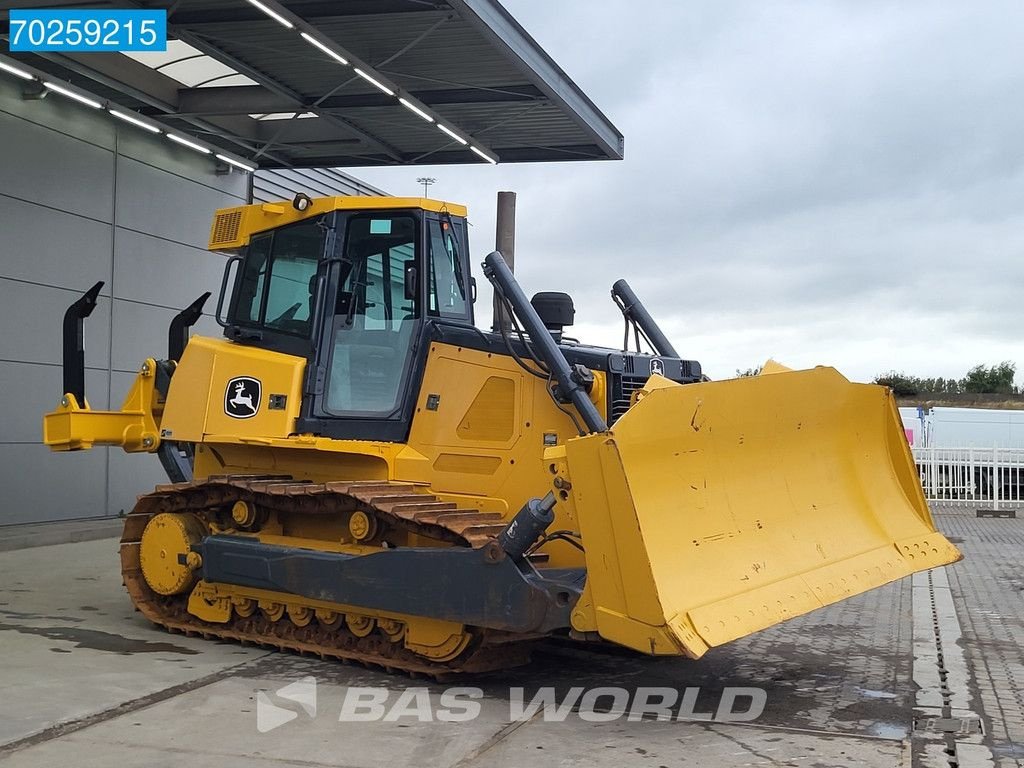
(358, 471)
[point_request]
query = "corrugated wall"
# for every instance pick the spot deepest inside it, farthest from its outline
(315, 182)
(83, 198)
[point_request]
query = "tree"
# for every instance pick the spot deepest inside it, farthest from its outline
(901, 384)
(981, 379)
(749, 372)
(997, 379)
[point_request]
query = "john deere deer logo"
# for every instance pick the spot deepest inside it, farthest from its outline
(242, 397)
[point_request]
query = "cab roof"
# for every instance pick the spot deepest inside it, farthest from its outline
(232, 227)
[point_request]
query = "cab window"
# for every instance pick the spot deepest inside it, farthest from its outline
(447, 295)
(374, 322)
(278, 279)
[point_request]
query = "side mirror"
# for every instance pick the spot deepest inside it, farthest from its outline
(411, 280)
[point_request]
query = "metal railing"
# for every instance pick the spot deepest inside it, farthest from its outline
(976, 477)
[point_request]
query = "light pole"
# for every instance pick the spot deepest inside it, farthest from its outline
(426, 181)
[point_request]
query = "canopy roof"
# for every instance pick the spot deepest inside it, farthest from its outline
(318, 83)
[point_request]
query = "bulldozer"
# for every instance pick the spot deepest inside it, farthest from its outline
(358, 471)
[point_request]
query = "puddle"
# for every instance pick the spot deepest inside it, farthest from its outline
(868, 693)
(99, 641)
(888, 730)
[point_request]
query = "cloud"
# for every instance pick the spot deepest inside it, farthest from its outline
(833, 182)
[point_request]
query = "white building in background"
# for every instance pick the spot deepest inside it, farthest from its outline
(963, 427)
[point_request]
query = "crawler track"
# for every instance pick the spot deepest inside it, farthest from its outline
(401, 506)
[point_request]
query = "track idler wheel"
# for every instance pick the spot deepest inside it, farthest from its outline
(165, 556)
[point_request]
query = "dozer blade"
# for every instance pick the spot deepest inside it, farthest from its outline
(713, 510)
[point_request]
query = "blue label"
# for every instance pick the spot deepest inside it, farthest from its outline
(88, 30)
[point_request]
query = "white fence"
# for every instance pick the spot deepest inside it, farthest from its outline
(976, 477)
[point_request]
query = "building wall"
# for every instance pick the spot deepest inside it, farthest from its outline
(85, 198)
(282, 184)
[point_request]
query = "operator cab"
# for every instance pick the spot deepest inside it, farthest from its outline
(380, 266)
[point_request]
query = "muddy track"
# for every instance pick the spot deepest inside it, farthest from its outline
(398, 505)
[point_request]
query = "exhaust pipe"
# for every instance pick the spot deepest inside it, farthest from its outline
(569, 381)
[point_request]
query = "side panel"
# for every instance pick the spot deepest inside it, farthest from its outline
(205, 399)
(480, 423)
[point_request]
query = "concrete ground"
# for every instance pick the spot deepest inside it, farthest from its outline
(926, 672)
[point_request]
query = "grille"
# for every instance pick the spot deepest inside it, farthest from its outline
(225, 228)
(622, 389)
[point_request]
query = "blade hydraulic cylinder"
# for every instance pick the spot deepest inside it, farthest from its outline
(527, 526)
(636, 312)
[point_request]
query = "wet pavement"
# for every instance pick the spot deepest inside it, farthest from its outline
(925, 672)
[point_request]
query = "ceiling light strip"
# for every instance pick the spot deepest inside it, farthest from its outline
(187, 143)
(16, 71)
(453, 134)
(134, 120)
(272, 14)
(324, 47)
(483, 154)
(370, 79)
(236, 163)
(413, 108)
(72, 94)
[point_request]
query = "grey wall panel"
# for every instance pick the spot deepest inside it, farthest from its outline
(282, 184)
(39, 391)
(58, 114)
(207, 326)
(55, 170)
(162, 272)
(131, 475)
(60, 164)
(162, 204)
(140, 331)
(31, 316)
(192, 167)
(40, 485)
(52, 247)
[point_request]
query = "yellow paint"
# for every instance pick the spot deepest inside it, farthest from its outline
(165, 537)
(714, 510)
(204, 373)
(233, 227)
(75, 427)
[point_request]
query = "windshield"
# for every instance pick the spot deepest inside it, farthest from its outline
(374, 320)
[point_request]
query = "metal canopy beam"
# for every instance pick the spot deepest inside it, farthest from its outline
(309, 11)
(255, 99)
(499, 27)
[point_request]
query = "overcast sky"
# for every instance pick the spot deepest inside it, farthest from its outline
(836, 183)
